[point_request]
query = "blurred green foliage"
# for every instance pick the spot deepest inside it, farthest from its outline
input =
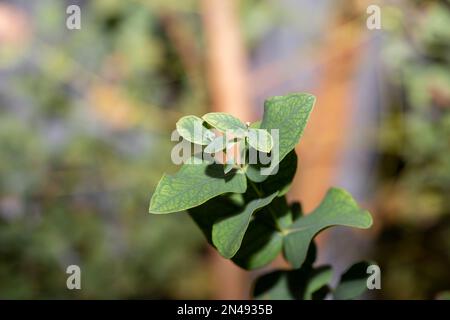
(85, 120)
(415, 151)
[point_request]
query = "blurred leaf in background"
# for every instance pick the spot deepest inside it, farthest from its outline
(415, 151)
(85, 118)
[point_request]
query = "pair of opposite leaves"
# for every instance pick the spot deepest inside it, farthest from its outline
(193, 129)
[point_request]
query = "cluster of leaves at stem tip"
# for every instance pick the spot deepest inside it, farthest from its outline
(245, 215)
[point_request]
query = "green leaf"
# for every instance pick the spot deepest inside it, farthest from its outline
(228, 167)
(280, 211)
(280, 180)
(263, 240)
(217, 145)
(191, 128)
(255, 125)
(217, 208)
(227, 233)
(337, 208)
(211, 211)
(223, 121)
(305, 283)
(249, 255)
(353, 282)
(289, 114)
(317, 286)
(278, 285)
(261, 244)
(253, 172)
(260, 140)
(193, 185)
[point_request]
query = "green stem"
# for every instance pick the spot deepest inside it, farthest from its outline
(258, 192)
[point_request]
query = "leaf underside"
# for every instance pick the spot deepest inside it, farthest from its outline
(191, 128)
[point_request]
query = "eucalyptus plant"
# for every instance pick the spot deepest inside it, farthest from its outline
(244, 213)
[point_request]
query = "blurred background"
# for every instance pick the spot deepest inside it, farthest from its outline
(86, 117)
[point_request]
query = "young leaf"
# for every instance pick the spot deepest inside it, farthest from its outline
(191, 128)
(353, 282)
(228, 167)
(337, 208)
(289, 114)
(227, 234)
(223, 121)
(217, 145)
(193, 185)
(260, 140)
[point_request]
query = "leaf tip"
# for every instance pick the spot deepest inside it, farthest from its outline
(369, 219)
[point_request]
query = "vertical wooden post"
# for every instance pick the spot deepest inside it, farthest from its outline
(228, 88)
(226, 59)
